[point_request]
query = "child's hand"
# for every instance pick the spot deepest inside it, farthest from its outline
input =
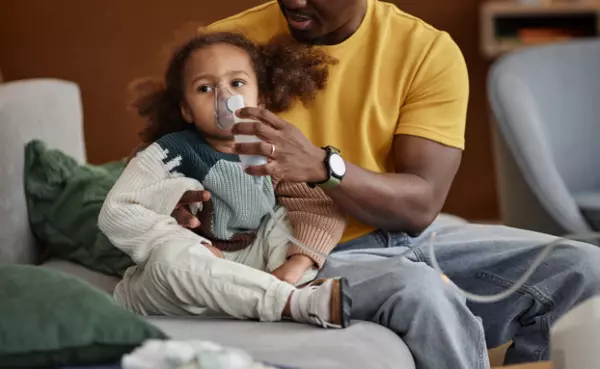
(293, 269)
(182, 215)
(216, 252)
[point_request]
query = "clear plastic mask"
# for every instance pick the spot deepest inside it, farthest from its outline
(224, 117)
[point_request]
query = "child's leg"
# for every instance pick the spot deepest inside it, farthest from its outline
(269, 250)
(190, 280)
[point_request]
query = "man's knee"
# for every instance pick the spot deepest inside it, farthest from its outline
(429, 291)
(413, 287)
(425, 299)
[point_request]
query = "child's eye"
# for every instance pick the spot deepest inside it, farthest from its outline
(205, 88)
(238, 83)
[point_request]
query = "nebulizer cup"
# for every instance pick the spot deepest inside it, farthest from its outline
(226, 105)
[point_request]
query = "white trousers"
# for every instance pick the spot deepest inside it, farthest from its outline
(190, 280)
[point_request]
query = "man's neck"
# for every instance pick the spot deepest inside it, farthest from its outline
(345, 31)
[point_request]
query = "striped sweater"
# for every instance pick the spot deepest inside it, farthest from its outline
(136, 214)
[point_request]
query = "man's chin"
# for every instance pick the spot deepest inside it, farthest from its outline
(303, 36)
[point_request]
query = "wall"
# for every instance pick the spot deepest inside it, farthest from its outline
(102, 45)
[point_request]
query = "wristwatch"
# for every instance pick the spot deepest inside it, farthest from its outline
(335, 166)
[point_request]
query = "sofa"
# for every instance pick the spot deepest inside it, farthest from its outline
(50, 110)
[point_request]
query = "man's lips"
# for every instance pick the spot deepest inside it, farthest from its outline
(298, 20)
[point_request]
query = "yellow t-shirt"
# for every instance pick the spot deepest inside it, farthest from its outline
(396, 75)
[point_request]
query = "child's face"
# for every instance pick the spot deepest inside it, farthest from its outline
(219, 65)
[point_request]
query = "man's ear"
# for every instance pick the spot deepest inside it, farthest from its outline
(186, 113)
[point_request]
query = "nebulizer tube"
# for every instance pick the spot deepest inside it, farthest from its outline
(542, 256)
(226, 104)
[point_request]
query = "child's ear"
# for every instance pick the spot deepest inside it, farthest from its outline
(186, 113)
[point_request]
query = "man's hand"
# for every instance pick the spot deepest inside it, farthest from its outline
(181, 213)
(293, 269)
(292, 157)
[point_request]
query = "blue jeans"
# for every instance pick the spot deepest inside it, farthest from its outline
(439, 326)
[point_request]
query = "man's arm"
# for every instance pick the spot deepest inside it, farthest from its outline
(427, 149)
(408, 200)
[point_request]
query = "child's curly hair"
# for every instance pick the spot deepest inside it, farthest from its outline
(285, 71)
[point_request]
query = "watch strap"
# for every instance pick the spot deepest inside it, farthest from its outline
(331, 181)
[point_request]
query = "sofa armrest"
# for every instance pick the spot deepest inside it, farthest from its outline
(45, 109)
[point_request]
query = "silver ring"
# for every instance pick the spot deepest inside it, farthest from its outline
(272, 150)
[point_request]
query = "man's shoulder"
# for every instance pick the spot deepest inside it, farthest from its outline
(417, 41)
(259, 24)
(401, 25)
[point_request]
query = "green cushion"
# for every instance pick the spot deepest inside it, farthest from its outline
(51, 319)
(64, 199)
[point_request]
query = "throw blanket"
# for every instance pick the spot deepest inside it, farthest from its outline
(64, 199)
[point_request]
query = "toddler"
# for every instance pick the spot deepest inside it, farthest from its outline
(228, 264)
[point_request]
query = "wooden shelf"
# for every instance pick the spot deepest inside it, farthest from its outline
(508, 25)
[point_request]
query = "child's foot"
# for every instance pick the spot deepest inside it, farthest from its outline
(324, 302)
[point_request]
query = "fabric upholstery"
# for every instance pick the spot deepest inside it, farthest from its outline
(42, 108)
(545, 104)
(103, 282)
(64, 199)
(362, 345)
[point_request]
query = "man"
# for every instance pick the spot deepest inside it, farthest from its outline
(395, 106)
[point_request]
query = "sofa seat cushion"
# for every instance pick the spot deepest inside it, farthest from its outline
(362, 345)
(102, 281)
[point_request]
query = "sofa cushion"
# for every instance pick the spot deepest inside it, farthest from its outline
(101, 281)
(64, 199)
(362, 345)
(51, 319)
(36, 108)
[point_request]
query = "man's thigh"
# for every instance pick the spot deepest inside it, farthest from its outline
(488, 259)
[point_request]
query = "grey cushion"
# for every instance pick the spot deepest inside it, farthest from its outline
(362, 345)
(46, 109)
(104, 282)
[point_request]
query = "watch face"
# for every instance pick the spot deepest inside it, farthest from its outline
(337, 165)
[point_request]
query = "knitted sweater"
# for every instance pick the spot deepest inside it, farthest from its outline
(136, 213)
